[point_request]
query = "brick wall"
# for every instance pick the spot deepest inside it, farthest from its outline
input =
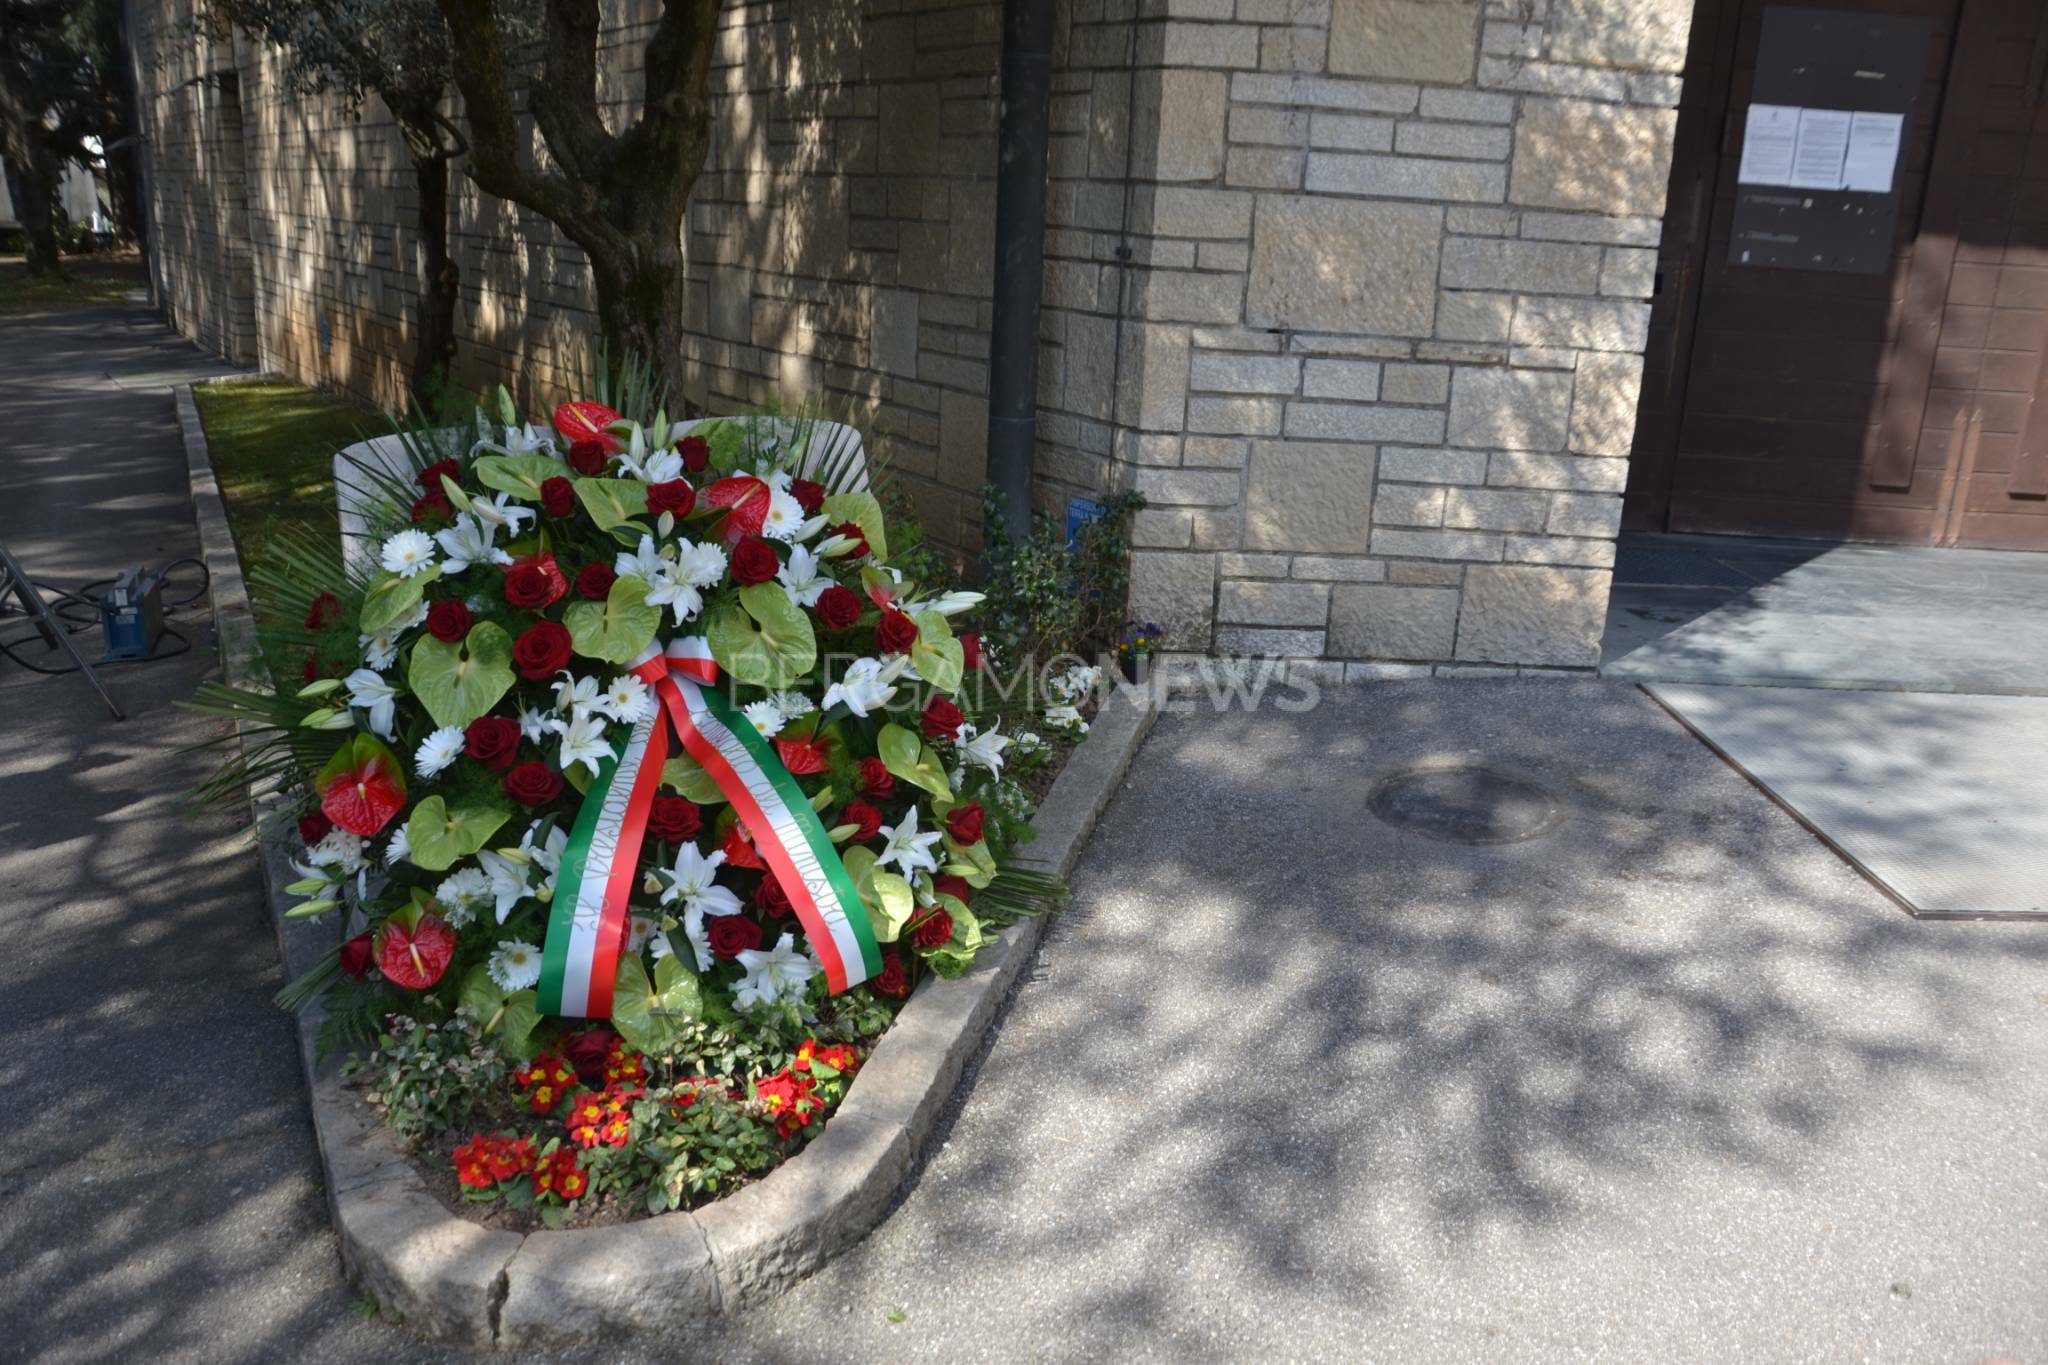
(1353, 290)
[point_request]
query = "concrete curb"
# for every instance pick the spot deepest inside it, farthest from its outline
(452, 1280)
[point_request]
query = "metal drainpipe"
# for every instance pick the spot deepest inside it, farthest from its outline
(1020, 255)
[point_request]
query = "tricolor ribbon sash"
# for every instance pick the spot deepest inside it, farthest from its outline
(587, 923)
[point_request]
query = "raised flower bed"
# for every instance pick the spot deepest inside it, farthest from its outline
(643, 786)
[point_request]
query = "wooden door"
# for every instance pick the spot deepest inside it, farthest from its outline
(1891, 407)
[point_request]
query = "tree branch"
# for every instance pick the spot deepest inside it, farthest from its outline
(565, 101)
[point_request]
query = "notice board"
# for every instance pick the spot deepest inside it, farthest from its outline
(1818, 184)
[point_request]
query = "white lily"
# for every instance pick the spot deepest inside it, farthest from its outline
(691, 883)
(650, 466)
(501, 511)
(468, 542)
(867, 685)
(773, 974)
(645, 563)
(535, 725)
(583, 742)
(407, 553)
(337, 849)
(574, 696)
(953, 603)
(983, 750)
(800, 577)
(524, 440)
(699, 565)
(547, 856)
(908, 849)
(368, 690)
(511, 880)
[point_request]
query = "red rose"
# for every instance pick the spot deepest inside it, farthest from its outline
(946, 884)
(865, 817)
(772, 899)
(311, 672)
(674, 496)
(533, 783)
(448, 622)
(314, 826)
(970, 648)
(732, 935)
(753, 561)
(595, 582)
(809, 495)
(941, 719)
(535, 583)
(877, 783)
(324, 612)
(589, 1050)
(587, 457)
(541, 651)
(851, 530)
(838, 607)
(430, 477)
(696, 453)
(934, 931)
(355, 956)
(557, 496)
(964, 823)
(433, 506)
(895, 633)
(492, 741)
(894, 980)
(672, 819)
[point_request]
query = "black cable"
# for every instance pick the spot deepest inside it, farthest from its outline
(65, 602)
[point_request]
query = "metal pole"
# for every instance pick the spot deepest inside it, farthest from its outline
(1020, 255)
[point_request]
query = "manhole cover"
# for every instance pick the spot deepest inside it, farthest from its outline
(1467, 804)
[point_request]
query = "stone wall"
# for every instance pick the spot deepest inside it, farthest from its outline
(1401, 252)
(1353, 290)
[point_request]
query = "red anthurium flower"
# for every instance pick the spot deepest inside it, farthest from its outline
(739, 850)
(362, 786)
(414, 956)
(587, 422)
(802, 756)
(744, 500)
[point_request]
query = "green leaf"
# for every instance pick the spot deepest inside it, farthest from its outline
(616, 629)
(765, 641)
(519, 475)
(508, 411)
(514, 1014)
(864, 511)
(390, 599)
(437, 839)
(966, 928)
(728, 444)
(937, 655)
(891, 905)
(652, 1018)
(611, 502)
(978, 864)
(909, 758)
(459, 682)
(688, 777)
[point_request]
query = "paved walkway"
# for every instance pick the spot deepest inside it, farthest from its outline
(158, 1195)
(1670, 1083)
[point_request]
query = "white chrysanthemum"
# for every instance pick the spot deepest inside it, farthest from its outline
(463, 895)
(767, 718)
(399, 848)
(337, 848)
(701, 566)
(380, 651)
(515, 965)
(438, 750)
(792, 704)
(627, 700)
(408, 553)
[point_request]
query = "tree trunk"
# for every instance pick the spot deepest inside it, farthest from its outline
(433, 357)
(640, 307)
(33, 188)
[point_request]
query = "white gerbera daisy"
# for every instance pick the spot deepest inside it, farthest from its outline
(627, 700)
(463, 895)
(515, 965)
(408, 553)
(438, 750)
(767, 718)
(785, 514)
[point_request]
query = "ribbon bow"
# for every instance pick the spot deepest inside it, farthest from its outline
(587, 923)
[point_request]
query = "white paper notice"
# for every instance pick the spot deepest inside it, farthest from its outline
(1873, 152)
(1767, 143)
(1823, 143)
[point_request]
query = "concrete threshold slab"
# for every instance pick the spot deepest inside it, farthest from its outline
(1941, 799)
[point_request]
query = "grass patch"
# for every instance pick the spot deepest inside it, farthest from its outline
(87, 282)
